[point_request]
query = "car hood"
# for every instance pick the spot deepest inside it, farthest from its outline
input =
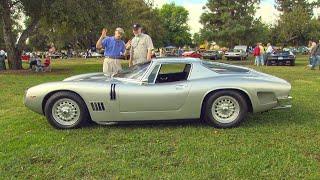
(91, 77)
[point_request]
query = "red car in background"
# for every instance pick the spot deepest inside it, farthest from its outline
(192, 54)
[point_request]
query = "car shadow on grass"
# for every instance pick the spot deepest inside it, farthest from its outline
(151, 124)
(276, 118)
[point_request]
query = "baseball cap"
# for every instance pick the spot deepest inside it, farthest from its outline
(120, 30)
(136, 26)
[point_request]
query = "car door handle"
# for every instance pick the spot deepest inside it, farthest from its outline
(181, 86)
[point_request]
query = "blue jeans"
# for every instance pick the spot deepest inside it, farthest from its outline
(315, 61)
(311, 59)
(259, 60)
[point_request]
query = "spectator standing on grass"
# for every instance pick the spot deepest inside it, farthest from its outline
(140, 46)
(316, 57)
(2, 60)
(262, 53)
(114, 49)
(256, 54)
(313, 48)
(269, 49)
(161, 52)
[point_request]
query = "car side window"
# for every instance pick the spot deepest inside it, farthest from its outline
(173, 72)
(153, 74)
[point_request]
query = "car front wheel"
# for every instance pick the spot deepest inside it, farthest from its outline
(66, 110)
(225, 109)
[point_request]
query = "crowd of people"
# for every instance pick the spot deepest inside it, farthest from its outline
(261, 54)
(139, 48)
(36, 64)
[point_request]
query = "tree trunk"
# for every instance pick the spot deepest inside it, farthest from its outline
(14, 60)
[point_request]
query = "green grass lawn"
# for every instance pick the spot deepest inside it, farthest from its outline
(271, 145)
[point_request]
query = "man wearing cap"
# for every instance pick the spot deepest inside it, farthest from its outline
(114, 48)
(140, 46)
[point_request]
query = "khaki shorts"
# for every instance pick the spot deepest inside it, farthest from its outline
(111, 66)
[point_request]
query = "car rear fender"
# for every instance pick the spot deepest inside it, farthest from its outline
(242, 92)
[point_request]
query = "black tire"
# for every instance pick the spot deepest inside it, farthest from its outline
(292, 63)
(243, 109)
(268, 63)
(83, 114)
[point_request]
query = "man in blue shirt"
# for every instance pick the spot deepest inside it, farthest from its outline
(114, 49)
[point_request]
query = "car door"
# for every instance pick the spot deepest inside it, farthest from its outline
(153, 96)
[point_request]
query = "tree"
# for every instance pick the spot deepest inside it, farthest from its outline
(296, 24)
(67, 23)
(75, 23)
(2, 45)
(229, 22)
(197, 39)
(293, 26)
(174, 19)
(287, 6)
(313, 32)
(34, 9)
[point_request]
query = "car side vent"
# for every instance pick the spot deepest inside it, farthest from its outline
(113, 92)
(97, 106)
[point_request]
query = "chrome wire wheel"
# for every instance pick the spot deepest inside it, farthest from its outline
(225, 109)
(66, 112)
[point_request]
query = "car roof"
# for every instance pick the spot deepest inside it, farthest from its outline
(177, 60)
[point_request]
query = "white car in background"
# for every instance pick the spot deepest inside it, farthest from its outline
(238, 53)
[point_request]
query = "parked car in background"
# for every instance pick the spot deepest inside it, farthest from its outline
(239, 52)
(291, 49)
(58, 55)
(192, 54)
(96, 55)
(303, 50)
(281, 58)
(235, 54)
(211, 54)
(164, 89)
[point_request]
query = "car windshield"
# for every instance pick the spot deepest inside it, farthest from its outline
(237, 50)
(134, 72)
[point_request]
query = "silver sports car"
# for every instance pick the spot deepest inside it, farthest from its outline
(163, 89)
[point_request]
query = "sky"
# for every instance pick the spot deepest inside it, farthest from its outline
(266, 11)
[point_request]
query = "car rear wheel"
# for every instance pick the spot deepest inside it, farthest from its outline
(66, 110)
(292, 63)
(225, 109)
(268, 63)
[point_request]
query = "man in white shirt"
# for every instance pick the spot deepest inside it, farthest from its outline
(269, 49)
(140, 46)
